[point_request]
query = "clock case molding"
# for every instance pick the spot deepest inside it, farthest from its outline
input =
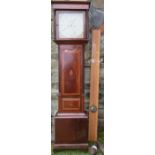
(71, 120)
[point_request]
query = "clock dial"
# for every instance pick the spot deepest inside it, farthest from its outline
(71, 24)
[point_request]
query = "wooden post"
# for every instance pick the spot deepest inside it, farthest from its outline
(94, 85)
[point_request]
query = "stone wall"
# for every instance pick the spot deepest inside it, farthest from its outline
(98, 4)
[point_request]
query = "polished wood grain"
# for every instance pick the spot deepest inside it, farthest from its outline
(71, 60)
(71, 96)
(71, 104)
(94, 84)
(70, 130)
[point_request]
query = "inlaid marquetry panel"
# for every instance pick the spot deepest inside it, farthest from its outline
(71, 71)
(72, 104)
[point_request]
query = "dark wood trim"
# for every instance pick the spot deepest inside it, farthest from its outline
(83, 146)
(67, 6)
(55, 27)
(87, 24)
(60, 41)
(76, 5)
(70, 2)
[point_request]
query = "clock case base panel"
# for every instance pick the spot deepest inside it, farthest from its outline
(71, 131)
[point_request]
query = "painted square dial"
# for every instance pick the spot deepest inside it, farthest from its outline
(71, 24)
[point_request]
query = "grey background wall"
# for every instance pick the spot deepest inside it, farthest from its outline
(99, 5)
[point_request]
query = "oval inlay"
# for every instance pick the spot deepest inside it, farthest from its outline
(70, 72)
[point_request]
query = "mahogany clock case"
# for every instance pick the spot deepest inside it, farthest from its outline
(71, 120)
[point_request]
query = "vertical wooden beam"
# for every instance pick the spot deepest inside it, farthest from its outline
(94, 84)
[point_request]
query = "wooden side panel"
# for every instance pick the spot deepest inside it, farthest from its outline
(94, 84)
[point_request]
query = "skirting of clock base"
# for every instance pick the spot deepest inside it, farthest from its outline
(70, 146)
(71, 131)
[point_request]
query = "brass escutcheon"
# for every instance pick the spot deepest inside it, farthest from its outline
(93, 108)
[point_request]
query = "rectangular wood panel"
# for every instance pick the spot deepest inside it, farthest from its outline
(75, 130)
(71, 71)
(71, 104)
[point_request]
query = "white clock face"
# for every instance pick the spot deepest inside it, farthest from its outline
(71, 24)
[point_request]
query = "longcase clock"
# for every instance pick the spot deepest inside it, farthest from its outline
(71, 120)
